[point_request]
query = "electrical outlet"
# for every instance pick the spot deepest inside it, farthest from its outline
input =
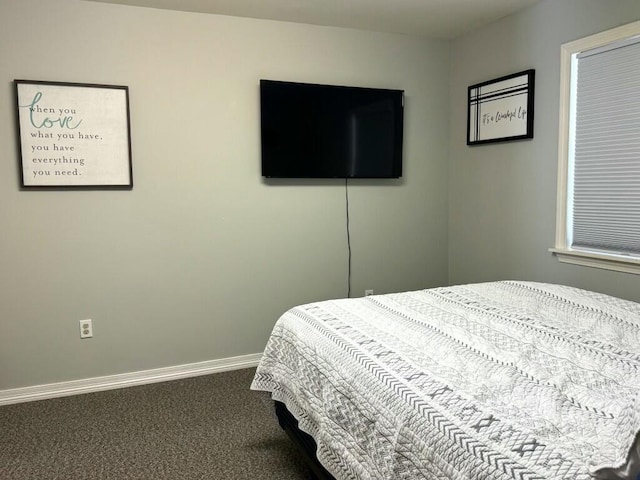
(86, 328)
(368, 292)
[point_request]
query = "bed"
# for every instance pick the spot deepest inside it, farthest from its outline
(498, 380)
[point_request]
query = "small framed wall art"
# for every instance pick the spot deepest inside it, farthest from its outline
(501, 110)
(73, 135)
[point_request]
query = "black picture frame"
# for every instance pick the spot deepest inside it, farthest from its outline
(502, 109)
(73, 135)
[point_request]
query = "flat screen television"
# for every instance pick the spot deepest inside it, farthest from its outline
(327, 131)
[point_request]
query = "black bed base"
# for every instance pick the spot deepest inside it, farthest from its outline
(303, 441)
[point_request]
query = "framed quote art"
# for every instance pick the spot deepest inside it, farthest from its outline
(501, 110)
(73, 135)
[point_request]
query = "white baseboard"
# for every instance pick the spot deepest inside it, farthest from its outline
(110, 382)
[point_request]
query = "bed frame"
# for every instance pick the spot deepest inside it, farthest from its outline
(305, 442)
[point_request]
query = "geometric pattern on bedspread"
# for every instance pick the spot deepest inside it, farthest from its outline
(500, 380)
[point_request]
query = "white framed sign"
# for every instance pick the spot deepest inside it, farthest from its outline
(74, 135)
(501, 110)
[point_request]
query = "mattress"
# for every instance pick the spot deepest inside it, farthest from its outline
(499, 380)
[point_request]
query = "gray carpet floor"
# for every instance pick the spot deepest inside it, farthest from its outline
(209, 427)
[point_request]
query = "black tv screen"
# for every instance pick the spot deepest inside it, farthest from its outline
(327, 131)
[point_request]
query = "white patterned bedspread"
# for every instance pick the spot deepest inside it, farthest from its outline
(502, 380)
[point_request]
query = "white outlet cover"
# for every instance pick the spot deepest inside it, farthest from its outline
(86, 328)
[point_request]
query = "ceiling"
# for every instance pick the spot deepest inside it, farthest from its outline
(445, 19)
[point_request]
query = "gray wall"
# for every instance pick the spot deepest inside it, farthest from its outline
(200, 258)
(502, 197)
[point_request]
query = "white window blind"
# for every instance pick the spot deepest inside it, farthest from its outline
(604, 201)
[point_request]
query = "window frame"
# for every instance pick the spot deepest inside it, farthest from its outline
(563, 250)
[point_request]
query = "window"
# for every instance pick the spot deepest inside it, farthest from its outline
(598, 209)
